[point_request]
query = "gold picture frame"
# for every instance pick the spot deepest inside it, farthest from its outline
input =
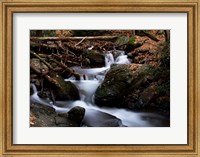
(9, 7)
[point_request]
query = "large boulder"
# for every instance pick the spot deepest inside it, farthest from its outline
(119, 81)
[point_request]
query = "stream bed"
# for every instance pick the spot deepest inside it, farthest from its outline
(96, 116)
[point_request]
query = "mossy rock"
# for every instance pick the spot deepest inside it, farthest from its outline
(119, 81)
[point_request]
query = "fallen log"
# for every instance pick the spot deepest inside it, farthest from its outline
(145, 33)
(74, 38)
(151, 36)
(33, 44)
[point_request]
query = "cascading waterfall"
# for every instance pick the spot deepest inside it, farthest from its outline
(95, 116)
(109, 59)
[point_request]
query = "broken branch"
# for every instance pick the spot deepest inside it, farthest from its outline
(76, 75)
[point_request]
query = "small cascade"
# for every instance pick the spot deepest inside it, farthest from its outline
(123, 59)
(91, 73)
(109, 59)
(94, 115)
(35, 98)
(86, 88)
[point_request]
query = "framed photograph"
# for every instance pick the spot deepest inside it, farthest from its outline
(84, 78)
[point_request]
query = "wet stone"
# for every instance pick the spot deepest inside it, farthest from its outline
(76, 114)
(119, 81)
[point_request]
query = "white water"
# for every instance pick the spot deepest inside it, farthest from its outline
(109, 59)
(94, 115)
(128, 118)
(99, 73)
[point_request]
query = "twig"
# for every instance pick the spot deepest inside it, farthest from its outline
(80, 42)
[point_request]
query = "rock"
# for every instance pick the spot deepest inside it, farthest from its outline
(162, 104)
(148, 94)
(65, 122)
(73, 118)
(38, 66)
(145, 97)
(119, 81)
(93, 58)
(95, 118)
(63, 90)
(61, 121)
(67, 92)
(117, 53)
(44, 116)
(76, 114)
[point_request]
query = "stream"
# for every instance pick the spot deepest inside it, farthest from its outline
(101, 116)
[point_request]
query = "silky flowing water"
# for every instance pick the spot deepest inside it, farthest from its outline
(95, 116)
